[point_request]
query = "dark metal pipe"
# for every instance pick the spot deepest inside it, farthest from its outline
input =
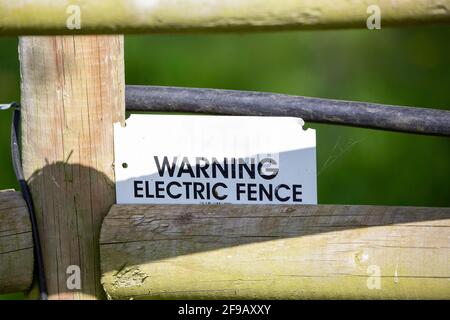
(247, 103)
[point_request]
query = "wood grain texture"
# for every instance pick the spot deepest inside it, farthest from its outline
(275, 252)
(72, 92)
(16, 243)
(137, 16)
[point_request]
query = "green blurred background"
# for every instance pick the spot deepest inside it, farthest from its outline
(355, 166)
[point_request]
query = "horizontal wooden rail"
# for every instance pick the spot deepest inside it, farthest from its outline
(130, 16)
(16, 243)
(280, 252)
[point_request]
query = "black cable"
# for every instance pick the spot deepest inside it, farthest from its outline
(17, 164)
(229, 102)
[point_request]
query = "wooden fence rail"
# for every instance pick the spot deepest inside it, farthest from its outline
(278, 252)
(241, 251)
(131, 16)
(16, 243)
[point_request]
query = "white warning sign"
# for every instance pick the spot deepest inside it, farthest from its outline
(177, 159)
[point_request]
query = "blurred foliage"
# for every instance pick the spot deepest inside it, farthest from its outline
(355, 166)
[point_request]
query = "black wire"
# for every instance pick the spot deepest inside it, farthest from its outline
(17, 164)
(247, 103)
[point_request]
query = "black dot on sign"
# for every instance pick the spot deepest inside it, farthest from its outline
(124, 165)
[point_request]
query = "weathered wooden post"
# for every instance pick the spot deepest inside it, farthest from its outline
(72, 93)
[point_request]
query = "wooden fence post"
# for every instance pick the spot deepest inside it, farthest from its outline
(72, 93)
